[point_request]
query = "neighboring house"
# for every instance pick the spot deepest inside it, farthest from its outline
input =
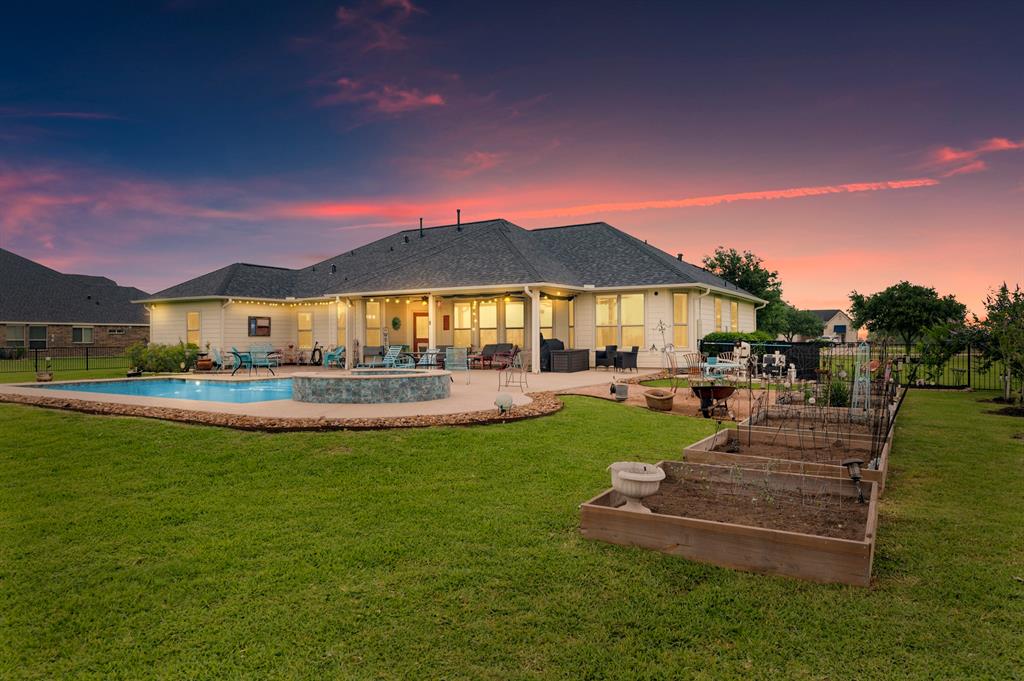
(838, 326)
(465, 285)
(41, 308)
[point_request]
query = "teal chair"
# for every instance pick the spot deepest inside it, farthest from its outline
(262, 357)
(335, 357)
(457, 359)
(243, 360)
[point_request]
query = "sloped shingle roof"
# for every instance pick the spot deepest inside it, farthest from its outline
(490, 252)
(824, 315)
(30, 292)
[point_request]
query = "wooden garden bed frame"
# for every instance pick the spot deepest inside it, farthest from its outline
(705, 451)
(743, 547)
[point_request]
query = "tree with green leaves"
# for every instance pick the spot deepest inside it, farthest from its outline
(747, 271)
(905, 310)
(1004, 325)
(800, 323)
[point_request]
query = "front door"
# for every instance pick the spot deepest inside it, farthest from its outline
(421, 331)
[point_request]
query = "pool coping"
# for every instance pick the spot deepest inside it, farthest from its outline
(541, 404)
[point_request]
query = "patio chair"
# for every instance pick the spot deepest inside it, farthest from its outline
(774, 364)
(335, 357)
(455, 359)
(263, 358)
(485, 357)
(218, 360)
(428, 359)
(605, 358)
(243, 360)
(626, 361)
(690, 365)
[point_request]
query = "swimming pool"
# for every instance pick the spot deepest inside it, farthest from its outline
(184, 389)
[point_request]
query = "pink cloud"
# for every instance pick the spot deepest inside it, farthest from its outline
(388, 99)
(968, 160)
(972, 167)
(376, 23)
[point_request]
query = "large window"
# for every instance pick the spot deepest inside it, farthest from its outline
(734, 316)
(462, 335)
(515, 322)
(16, 336)
(81, 335)
(192, 328)
(37, 337)
(607, 321)
(718, 314)
(620, 320)
(572, 323)
(305, 324)
(680, 320)
(488, 323)
(373, 322)
(259, 326)
(547, 317)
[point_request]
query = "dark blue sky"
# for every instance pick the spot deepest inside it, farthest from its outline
(280, 132)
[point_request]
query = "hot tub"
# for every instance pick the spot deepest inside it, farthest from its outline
(372, 386)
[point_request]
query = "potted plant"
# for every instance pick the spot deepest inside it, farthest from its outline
(205, 363)
(47, 375)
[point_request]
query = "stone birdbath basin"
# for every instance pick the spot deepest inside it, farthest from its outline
(634, 481)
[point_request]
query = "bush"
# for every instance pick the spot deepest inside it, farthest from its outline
(838, 394)
(158, 358)
(733, 336)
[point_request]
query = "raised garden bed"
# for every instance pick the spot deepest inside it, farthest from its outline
(777, 523)
(792, 452)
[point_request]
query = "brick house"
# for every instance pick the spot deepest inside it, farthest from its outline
(41, 308)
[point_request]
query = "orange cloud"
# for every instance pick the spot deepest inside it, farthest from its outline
(387, 99)
(968, 160)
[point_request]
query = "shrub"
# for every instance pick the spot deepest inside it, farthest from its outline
(158, 358)
(838, 394)
(733, 336)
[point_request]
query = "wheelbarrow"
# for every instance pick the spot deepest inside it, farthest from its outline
(714, 399)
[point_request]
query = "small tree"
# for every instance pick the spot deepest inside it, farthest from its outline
(800, 323)
(1004, 325)
(905, 310)
(747, 271)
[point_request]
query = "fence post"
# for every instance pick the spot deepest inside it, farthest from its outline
(968, 365)
(86, 357)
(36, 359)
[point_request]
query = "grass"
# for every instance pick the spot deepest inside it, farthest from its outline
(64, 375)
(133, 548)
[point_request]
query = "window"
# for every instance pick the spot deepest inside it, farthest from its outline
(488, 323)
(192, 328)
(718, 314)
(115, 331)
(547, 316)
(373, 322)
(515, 322)
(680, 320)
(259, 326)
(572, 323)
(305, 324)
(839, 329)
(16, 336)
(620, 320)
(37, 337)
(734, 316)
(607, 321)
(81, 334)
(462, 336)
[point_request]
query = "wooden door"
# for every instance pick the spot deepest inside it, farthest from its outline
(421, 331)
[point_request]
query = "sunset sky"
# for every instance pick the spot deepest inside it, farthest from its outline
(849, 147)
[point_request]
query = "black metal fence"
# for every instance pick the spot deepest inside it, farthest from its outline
(968, 369)
(76, 358)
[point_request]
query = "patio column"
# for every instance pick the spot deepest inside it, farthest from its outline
(534, 329)
(431, 322)
(347, 309)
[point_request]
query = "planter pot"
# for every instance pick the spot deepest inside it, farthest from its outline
(44, 376)
(204, 365)
(659, 400)
(634, 481)
(620, 391)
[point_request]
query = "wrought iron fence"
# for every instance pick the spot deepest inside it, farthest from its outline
(968, 369)
(76, 358)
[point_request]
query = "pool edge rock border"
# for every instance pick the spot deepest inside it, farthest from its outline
(542, 404)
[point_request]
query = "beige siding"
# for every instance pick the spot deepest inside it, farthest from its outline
(748, 318)
(283, 327)
(167, 322)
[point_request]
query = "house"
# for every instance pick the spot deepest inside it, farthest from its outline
(41, 308)
(838, 325)
(467, 285)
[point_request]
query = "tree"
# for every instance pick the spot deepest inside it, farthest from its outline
(1004, 325)
(905, 310)
(800, 323)
(747, 271)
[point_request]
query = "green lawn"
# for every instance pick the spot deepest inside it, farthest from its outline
(134, 548)
(63, 375)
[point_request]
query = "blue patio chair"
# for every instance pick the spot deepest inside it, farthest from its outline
(219, 360)
(243, 360)
(428, 359)
(456, 359)
(263, 358)
(335, 357)
(390, 359)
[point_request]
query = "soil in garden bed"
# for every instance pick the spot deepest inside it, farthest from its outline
(831, 427)
(685, 493)
(791, 451)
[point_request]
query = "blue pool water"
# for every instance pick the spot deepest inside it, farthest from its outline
(184, 389)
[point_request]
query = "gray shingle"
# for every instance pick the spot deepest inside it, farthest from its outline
(30, 292)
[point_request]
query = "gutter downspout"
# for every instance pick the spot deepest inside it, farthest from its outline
(759, 307)
(222, 307)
